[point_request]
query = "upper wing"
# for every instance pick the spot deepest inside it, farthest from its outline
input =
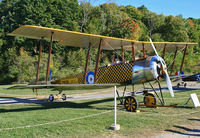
(77, 39)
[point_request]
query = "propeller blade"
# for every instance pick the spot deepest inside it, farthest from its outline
(169, 85)
(167, 79)
(153, 47)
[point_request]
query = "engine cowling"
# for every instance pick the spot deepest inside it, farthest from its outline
(148, 69)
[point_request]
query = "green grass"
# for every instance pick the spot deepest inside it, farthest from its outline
(148, 121)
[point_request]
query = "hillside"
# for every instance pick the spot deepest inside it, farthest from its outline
(18, 56)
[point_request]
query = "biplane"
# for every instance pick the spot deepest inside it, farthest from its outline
(184, 78)
(195, 77)
(124, 73)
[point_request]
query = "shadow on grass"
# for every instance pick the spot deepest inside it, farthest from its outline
(195, 131)
(67, 104)
(186, 107)
(14, 100)
(194, 119)
(184, 89)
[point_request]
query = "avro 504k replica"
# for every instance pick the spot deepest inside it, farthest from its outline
(140, 70)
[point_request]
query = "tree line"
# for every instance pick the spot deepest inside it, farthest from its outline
(18, 56)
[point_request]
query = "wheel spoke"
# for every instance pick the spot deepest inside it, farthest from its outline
(131, 108)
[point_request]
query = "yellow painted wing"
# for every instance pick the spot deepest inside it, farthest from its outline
(64, 86)
(77, 39)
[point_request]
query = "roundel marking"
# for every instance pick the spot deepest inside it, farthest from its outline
(90, 77)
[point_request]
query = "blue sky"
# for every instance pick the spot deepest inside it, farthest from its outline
(186, 8)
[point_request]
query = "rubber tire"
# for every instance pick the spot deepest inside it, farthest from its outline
(64, 97)
(51, 97)
(178, 85)
(185, 85)
(149, 100)
(130, 104)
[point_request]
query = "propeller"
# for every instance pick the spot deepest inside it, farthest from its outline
(164, 71)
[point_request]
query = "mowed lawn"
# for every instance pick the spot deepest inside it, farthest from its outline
(92, 118)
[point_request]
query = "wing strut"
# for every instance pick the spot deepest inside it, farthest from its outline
(86, 64)
(133, 52)
(98, 60)
(174, 59)
(181, 67)
(163, 53)
(49, 58)
(143, 50)
(39, 59)
(113, 58)
(122, 52)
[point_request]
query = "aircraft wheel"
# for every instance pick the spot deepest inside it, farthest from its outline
(149, 100)
(131, 104)
(51, 97)
(64, 97)
(178, 85)
(185, 85)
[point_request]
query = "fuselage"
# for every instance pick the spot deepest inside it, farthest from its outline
(195, 77)
(124, 73)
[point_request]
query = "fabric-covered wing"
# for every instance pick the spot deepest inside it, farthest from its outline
(64, 86)
(77, 39)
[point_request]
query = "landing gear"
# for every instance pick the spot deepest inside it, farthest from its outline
(58, 96)
(131, 104)
(185, 85)
(178, 85)
(182, 84)
(149, 100)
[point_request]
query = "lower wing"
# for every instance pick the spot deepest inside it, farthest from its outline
(61, 87)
